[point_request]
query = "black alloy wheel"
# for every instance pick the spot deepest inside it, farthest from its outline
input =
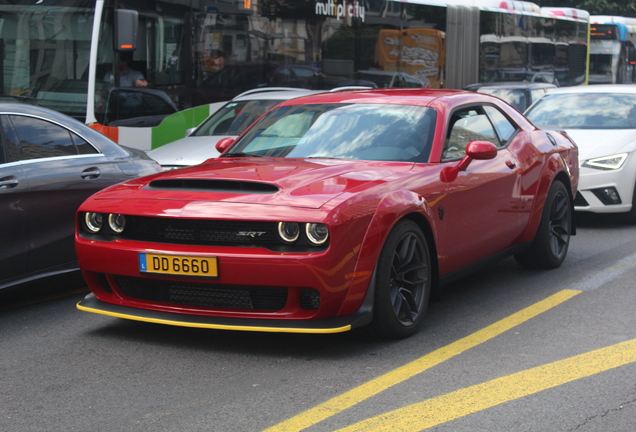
(403, 282)
(550, 245)
(560, 224)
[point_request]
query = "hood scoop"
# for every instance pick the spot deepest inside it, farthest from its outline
(218, 186)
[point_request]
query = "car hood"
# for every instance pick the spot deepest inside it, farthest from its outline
(187, 151)
(594, 143)
(266, 181)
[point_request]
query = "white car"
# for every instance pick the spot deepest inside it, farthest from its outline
(228, 121)
(601, 119)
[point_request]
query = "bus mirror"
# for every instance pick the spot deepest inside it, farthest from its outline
(125, 30)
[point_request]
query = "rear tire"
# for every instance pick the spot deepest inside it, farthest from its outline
(550, 245)
(403, 282)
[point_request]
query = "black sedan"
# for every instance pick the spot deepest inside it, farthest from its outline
(49, 164)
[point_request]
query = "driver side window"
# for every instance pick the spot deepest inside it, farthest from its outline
(467, 125)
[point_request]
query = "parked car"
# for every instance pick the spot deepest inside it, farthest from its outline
(333, 211)
(228, 121)
(135, 107)
(309, 77)
(49, 164)
(602, 121)
(390, 79)
(518, 94)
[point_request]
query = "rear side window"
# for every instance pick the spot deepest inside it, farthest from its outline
(505, 129)
(42, 139)
(83, 147)
(11, 142)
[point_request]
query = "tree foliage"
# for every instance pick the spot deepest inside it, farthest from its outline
(625, 8)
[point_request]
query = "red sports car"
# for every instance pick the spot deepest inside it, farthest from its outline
(332, 211)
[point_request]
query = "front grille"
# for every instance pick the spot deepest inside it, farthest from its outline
(579, 201)
(204, 295)
(200, 232)
(309, 299)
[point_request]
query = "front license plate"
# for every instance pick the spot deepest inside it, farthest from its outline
(178, 265)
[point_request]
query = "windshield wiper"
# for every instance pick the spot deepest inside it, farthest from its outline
(240, 154)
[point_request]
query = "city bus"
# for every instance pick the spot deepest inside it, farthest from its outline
(612, 50)
(195, 55)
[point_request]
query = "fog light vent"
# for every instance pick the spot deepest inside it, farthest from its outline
(101, 277)
(607, 195)
(309, 299)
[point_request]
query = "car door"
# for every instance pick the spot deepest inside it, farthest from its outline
(480, 210)
(62, 169)
(13, 224)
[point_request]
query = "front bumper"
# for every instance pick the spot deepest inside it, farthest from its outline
(592, 182)
(331, 325)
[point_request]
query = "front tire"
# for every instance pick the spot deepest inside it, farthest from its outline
(550, 245)
(403, 282)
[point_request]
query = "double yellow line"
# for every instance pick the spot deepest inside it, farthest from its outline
(422, 415)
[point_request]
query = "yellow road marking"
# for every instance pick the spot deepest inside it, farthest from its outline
(460, 403)
(377, 385)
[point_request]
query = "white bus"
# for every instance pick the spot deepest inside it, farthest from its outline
(196, 54)
(612, 50)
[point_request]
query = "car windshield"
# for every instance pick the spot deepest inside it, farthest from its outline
(515, 97)
(342, 131)
(585, 111)
(234, 117)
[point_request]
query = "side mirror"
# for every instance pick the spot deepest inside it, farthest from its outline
(479, 150)
(224, 144)
(125, 30)
(188, 132)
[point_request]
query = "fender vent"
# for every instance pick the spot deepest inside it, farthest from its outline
(222, 186)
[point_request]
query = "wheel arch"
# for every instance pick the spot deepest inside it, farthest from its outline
(392, 209)
(555, 170)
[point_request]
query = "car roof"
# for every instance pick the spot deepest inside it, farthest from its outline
(274, 93)
(510, 85)
(407, 96)
(597, 88)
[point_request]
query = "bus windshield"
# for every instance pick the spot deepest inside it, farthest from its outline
(45, 53)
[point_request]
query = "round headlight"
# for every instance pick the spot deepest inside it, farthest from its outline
(117, 222)
(288, 231)
(317, 233)
(94, 221)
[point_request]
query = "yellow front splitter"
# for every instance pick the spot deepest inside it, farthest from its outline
(334, 325)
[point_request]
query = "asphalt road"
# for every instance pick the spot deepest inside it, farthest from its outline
(506, 349)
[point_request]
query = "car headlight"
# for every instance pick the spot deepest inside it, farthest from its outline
(317, 233)
(612, 162)
(117, 222)
(288, 231)
(94, 221)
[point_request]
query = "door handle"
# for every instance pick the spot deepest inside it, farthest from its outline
(8, 182)
(511, 164)
(91, 173)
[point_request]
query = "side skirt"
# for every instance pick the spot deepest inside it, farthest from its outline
(522, 247)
